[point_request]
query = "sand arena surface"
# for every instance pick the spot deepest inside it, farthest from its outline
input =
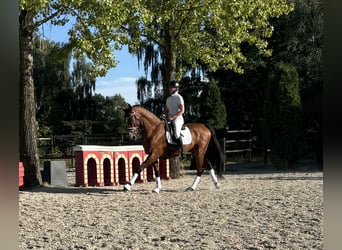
(280, 210)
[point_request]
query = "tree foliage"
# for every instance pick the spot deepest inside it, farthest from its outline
(178, 34)
(191, 88)
(212, 108)
(52, 82)
(298, 40)
(283, 116)
(95, 27)
(194, 31)
(65, 99)
(83, 85)
(94, 34)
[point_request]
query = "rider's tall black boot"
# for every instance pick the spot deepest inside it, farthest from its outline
(181, 147)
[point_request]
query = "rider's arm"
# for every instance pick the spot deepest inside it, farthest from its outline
(166, 112)
(179, 113)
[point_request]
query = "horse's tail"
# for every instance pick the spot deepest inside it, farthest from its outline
(214, 152)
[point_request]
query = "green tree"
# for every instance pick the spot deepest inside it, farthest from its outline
(52, 82)
(193, 32)
(114, 115)
(83, 84)
(94, 34)
(174, 36)
(283, 116)
(212, 108)
(191, 88)
(298, 40)
(144, 89)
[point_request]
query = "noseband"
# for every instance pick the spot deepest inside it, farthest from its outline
(135, 128)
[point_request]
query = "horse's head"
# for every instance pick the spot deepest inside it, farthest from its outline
(133, 123)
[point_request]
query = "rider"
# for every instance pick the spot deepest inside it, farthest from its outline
(174, 111)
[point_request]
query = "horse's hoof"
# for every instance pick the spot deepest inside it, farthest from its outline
(217, 185)
(189, 189)
(156, 190)
(127, 188)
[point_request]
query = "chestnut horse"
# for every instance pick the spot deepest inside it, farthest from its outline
(204, 145)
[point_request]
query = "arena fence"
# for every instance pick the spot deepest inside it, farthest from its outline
(238, 142)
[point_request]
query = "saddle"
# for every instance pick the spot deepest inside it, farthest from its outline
(169, 134)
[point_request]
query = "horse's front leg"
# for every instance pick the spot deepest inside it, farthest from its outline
(199, 172)
(149, 161)
(157, 175)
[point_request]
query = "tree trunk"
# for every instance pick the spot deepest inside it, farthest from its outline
(27, 114)
(170, 75)
(170, 60)
(176, 169)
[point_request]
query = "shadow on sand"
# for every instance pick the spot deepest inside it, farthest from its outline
(247, 168)
(258, 168)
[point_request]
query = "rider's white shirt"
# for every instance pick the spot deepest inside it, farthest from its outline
(173, 102)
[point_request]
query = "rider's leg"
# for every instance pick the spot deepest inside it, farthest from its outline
(180, 144)
(177, 126)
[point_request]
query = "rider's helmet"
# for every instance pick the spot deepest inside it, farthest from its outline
(174, 84)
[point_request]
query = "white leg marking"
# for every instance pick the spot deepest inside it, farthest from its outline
(213, 176)
(129, 185)
(158, 182)
(158, 185)
(134, 178)
(195, 183)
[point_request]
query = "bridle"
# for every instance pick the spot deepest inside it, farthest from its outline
(135, 125)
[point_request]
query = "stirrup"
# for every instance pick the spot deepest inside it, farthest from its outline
(182, 154)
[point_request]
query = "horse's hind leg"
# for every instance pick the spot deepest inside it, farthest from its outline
(199, 174)
(213, 175)
(157, 174)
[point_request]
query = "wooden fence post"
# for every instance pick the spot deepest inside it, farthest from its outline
(239, 140)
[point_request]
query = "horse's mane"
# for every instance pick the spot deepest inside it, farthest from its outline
(145, 112)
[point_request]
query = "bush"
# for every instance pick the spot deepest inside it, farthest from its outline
(283, 130)
(212, 108)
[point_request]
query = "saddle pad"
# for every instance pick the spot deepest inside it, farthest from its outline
(186, 136)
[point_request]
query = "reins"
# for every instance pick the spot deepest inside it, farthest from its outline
(141, 126)
(136, 128)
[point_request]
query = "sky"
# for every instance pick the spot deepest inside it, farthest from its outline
(119, 80)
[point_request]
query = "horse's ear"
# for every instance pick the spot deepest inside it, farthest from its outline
(128, 109)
